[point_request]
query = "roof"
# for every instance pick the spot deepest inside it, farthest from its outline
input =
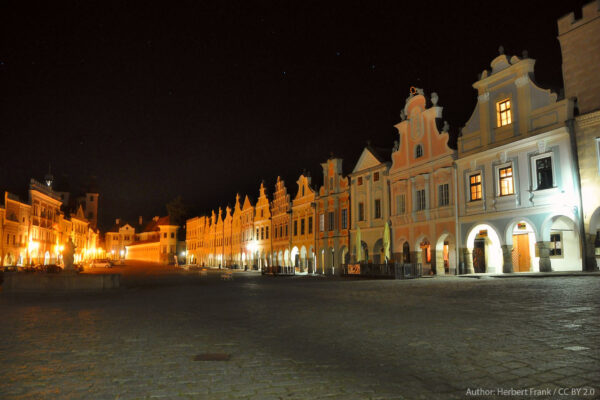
(154, 224)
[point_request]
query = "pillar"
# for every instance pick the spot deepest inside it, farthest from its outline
(468, 257)
(544, 251)
(507, 266)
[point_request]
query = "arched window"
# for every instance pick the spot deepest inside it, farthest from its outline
(419, 151)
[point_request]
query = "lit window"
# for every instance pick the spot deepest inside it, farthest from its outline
(506, 181)
(543, 173)
(503, 113)
(377, 208)
(555, 244)
(443, 195)
(361, 211)
(419, 151)
(321, 222)
(475, 185)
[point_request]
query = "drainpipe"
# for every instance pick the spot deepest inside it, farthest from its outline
(456, 226)
(577, 183)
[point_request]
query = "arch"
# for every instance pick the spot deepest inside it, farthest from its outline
(280, 260)
(295, 258)
(286, 258)
(303, 259)
(445, 254)
(378, 251)
(311, 260)
(594, 226)
(561, 234)
(520, 237)
(484, 249)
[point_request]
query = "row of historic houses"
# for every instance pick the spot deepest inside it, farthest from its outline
(507, 199)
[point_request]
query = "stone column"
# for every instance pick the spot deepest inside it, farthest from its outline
(544, 250)
(468, 257)
(507, 266)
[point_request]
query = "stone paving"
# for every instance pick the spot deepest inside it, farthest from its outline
(304, 338)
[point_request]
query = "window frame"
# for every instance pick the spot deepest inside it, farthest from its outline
(419, 150)
(500, 179)
(421, 201)
(480, 184)
(552, 245)
(443, 194)
(375, 176)
(344, 218)
(377, 209)
(500, 113)
(534, 173)
(361, 211)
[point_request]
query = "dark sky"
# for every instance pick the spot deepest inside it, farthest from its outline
(204, 99)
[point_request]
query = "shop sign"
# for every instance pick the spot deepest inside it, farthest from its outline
(353, 269)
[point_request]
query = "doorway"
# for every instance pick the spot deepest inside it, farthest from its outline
(479, 256)
(520, 256)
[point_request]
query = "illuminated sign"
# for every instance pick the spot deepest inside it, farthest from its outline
(483, 233)
(522, 225)
(353, 269)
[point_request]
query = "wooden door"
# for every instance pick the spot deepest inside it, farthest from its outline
(521, 259)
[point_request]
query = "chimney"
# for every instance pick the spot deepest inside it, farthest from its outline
(140, 220)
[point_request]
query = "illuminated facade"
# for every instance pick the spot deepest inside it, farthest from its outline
(37, 231)
(370, 197)
(423, 189)
(157, 242)
(117, 239)
(281, 210)
(248, 243)
(237, 248)
(333, 209)
(580, 45)
(262, 228)
(517, 176)
(303, 235)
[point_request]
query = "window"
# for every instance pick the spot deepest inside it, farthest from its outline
(555, 244)
(377, 208)
(420, 199)
(296, 228)
(310, 225)
(506, 181)
(359, 180)
(330, 184)
(503, 113)
(419, 151)
(331, 225)
(543, 173)
(267, 232)
(361, 211)
(443, 195)
(376, 176)
(400, 204)
(302, 227)
(165, 235)
(172, 235)
(91, 199)
(345, 218)
(302, 191)
(286, 230)
(262, 233)
(256, 237)
(281, 231)
(475, 186)
(321, 222)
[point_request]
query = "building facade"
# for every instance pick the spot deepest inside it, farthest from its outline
(261, 246)
(333, 208)
(517, 176)
(422, 178)
(580, 45)
(370, 200)
(303, 235)
(281, 210)
(157, 242)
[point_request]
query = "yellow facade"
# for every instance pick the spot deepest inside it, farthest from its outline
(303, 235)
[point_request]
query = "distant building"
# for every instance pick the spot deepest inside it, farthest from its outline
(370, 194)
(333, 219)
(118, 238)
(303, 235)
(261, 245)
(157, 242)
(281, 210)
(580, 44)
(422, 179)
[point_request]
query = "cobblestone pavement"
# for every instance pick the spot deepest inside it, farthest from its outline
(303, 338)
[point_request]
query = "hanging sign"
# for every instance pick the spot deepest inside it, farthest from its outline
(522, 225)
(483, 233)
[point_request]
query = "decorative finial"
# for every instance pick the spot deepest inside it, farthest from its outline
(501, 50)
(402, 115)
(446, 126)
(434, 98)
(525, 54)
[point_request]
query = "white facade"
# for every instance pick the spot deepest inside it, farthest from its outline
(516, 177)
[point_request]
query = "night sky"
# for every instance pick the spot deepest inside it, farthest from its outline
(205, 99)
